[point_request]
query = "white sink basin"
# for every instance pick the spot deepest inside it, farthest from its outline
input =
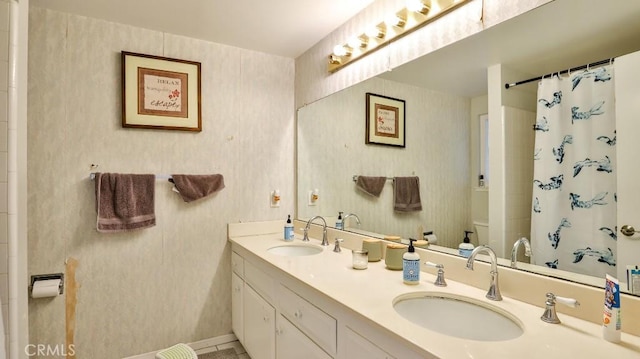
(458, 316)
(295, 250)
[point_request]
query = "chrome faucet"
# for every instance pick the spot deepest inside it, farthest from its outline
(344, 219)
(514, 251)
(305, 238)
(494, 288)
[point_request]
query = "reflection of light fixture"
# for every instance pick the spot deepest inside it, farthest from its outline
(416, 14)
(418, 6)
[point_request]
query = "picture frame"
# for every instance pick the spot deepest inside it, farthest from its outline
(385, 120)
(160, 93)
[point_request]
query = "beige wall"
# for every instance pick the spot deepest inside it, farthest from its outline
(4, 117)
(145, 290)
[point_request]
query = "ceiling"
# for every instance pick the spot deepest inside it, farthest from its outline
(281, 27)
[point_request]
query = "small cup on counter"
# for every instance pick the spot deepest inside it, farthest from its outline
(374, 247)
(360, 259)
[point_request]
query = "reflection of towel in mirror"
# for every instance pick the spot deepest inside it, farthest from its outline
(193, 187)
(371, 185)
(124, 201)
(406, 196)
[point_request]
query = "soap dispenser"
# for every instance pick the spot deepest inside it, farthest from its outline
(411, 265)
(339, 221)
(465, 248)
(288, 230)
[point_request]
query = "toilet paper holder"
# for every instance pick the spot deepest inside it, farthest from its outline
(38, 277)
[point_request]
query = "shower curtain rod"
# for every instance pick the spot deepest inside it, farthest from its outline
(597, 63)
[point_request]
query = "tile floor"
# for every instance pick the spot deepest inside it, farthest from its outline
(242, 354)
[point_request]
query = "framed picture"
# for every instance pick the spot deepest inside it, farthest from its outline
(385, 121)
(160, 93)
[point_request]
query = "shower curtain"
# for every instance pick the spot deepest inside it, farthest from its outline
(573, 220)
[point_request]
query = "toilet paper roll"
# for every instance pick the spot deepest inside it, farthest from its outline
(46, 288)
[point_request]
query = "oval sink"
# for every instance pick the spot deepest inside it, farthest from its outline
(458, 316)
(295, 250)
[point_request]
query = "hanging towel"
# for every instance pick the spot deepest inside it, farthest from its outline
(178, 351)
(406, 196)
(124, 201)
(371, 185)
(193, 187)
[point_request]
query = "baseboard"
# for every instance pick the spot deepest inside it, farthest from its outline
(198, 346)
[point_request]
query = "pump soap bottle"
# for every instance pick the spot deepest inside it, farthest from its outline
(339, 221)
(288, 230)
(465, 248)
(411, 265)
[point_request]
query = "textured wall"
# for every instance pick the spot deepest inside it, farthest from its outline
(148, 289)
(4, 117)
(331, 150)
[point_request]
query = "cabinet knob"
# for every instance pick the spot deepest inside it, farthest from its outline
(297, 314)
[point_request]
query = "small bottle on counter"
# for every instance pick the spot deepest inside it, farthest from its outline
(339, 221)
(411, 265)
(288, 230)
(466, 247)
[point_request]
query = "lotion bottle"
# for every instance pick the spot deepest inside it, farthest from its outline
(411, 265)
(339, 221)
(288, 230)
(466, 247)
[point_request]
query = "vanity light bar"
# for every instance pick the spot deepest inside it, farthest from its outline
(416, 14)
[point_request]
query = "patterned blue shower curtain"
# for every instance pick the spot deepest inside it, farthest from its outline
(573, 221)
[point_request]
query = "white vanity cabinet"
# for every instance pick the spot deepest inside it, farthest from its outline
(357, 347)
(259, 326)
(237, 294)
(291, 343)
(274, 317)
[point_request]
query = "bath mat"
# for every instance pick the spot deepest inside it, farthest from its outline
(220, 354)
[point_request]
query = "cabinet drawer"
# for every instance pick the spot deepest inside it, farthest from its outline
(311, 320)
(260, 281)
(292, 344)
(237, 264)
(357, 347)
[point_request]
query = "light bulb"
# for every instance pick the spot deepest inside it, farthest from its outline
(417, 6)
(375, 32)
(394, 20)
(339, 50)
(357, 42)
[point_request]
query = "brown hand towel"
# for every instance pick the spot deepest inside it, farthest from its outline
(193, 187)
(124, 201)
(371, 185)
(406, 194)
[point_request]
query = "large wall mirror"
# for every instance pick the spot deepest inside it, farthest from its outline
(446, 96)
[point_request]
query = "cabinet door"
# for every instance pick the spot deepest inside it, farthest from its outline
(237, 291)
(357, 347)
(259, 326)
(293, 344)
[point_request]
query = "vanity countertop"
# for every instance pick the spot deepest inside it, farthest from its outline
(370, 294)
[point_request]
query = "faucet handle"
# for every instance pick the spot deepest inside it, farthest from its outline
(570, 302)
(440, 282)
(549, 315)
(337, 248)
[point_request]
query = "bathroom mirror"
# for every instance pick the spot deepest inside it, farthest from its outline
(445, 93)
